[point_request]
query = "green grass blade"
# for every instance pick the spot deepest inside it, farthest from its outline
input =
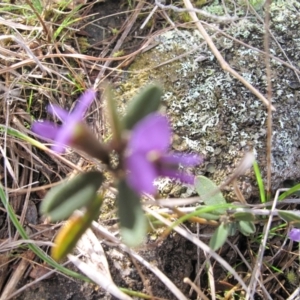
(16, 133)
(41, 254)
(197, 212)
(259, 182)
(292, 190)
(68, 21)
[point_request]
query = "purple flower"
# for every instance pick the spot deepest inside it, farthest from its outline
(294, 234)
(147, 155)
(65, 134)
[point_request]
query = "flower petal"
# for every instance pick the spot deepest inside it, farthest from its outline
(56, 110)
(151, 133)
(141, 174)
(65, 135)
(84, 102)
(176, 174)
(294, 234)
(169, 164)
(45, 129)
(182, 159)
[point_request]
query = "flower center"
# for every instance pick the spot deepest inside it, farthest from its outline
(153, 156)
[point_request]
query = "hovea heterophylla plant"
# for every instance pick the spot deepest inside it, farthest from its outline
(141, 140)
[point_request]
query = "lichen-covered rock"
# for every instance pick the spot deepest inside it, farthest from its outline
(214, 114)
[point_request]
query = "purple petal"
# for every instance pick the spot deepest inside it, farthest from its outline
(68, 131)
(186, 178)
(169, 164)
(181, 159)
(56, 110)
(294, 234)
(65, 135)
(141, 174)
(84, 102)
(151, 133)
(45, 129)
(176, 174)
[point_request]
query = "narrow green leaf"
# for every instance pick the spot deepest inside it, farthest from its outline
(208, 216)
(291, 191)
(246, 227)
(244, 216)
(259, 182)
(219, 237)
(133, 223)
(115, 122)
(71, 232)
(18, 134)
(146, 102)
(62, 200)
(69, 19)
(290, 217)
(204, 186)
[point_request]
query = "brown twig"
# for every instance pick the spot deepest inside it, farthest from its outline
(40, 19)
(224, 65)
(269, 95)
(125, 33)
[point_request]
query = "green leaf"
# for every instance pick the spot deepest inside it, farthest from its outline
(204, 187)
(290, 217)
(291, 191)
(113, 117)
(74, 228)
(259, 182)
(62, 200)
(208, 216)
(219, 237)
(244, 216)
(232, 228)
(18, 134)
(246, 227)
(146, 102)
(133, 223)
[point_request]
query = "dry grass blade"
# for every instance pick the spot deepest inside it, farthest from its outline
(256, 273)
(225, 66)
(95, 265)
(120, 41)
(194, 286)
(196, 10)
(202, 246)
(111, 238)
(90, 246)
(24, 46)
(4, 265)
(17, 275)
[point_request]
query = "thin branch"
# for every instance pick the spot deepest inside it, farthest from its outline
(195, 10)
(269, 95)
(224, 65)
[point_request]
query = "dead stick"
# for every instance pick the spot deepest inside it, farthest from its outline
(225, 66)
